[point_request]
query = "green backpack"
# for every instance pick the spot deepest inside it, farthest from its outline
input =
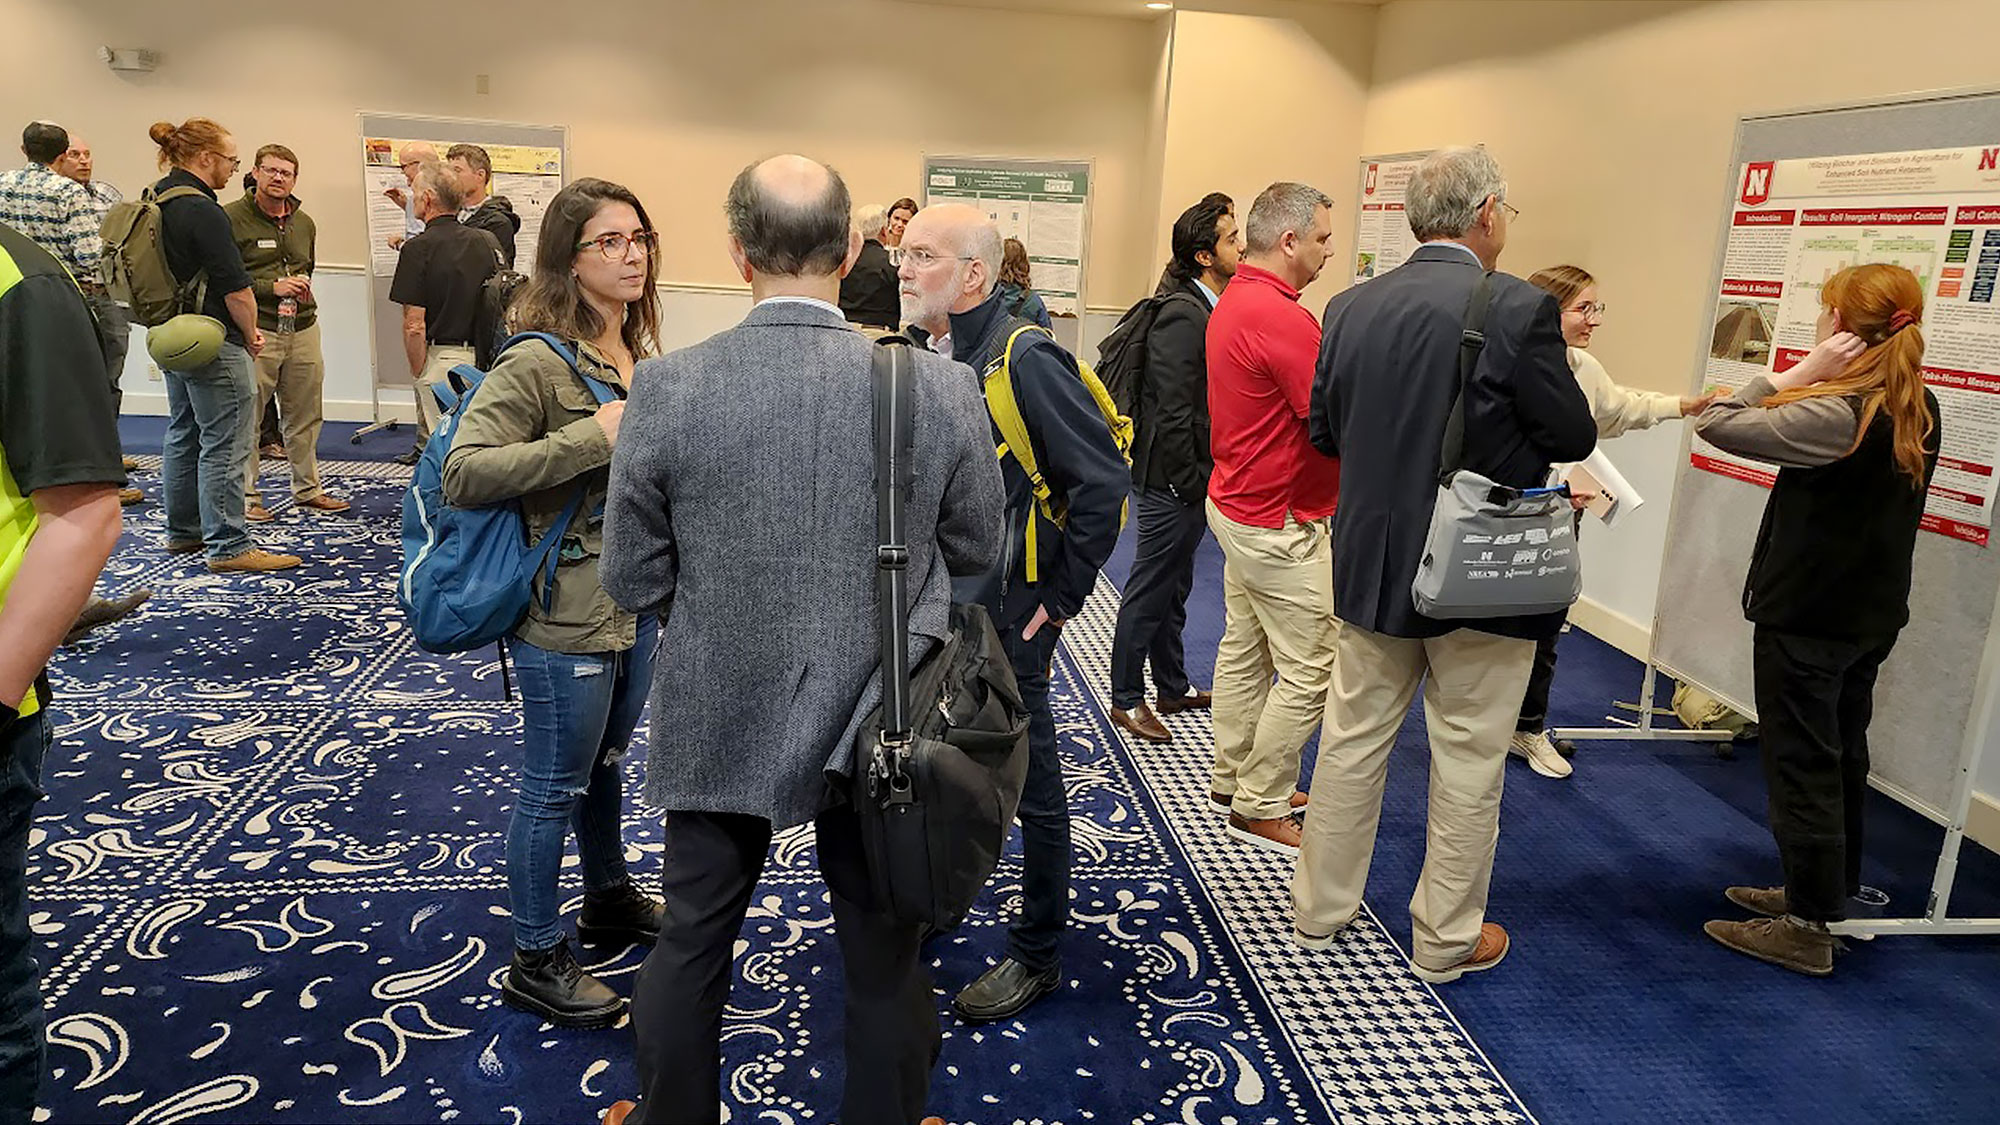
(135, 263)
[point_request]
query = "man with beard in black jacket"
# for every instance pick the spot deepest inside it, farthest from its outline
(490, 213)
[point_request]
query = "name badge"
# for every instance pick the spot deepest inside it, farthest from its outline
(267, 244)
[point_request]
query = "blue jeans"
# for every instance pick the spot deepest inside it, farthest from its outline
(1036, 936)
(207, 452)
(22, 747)
(577, 713)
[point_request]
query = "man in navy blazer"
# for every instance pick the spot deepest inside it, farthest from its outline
(1387, 378)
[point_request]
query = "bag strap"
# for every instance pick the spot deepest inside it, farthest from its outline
(1451, 455)
(192, 294)
(603, 391)
(895, 435)
(1006, 411)
(547, 554)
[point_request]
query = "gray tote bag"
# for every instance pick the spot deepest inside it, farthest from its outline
(1493, 550)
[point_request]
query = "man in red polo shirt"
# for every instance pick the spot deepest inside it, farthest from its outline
(1268, 504)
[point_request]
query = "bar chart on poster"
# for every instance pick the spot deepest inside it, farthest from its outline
(1044, 203)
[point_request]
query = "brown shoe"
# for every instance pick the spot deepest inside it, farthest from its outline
(254, 559)
(1196, 700)
(1492, 947)
(1141, 721)
(1219, 802)
(618, 1112)
(130, 496)
(257, 513)
(183, 546)
(272, 451)
(131, 463)
(1768, 901)
(1787, 942)
(325, 503)
(1280, 834)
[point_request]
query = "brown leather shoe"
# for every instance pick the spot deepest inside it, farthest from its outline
(325, 503)
(254, 559)
(130, 496)
(1768, 901)
(257, 513)
(183, 546)
(618, 1112)
(1220, 802)
(1280, 834)
(1787, 942)
(1141, 721)
(1492, 947)
(1196, 700)
(131, 463)
(271, 451)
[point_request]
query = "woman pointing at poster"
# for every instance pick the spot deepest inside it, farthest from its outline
(1855, 435)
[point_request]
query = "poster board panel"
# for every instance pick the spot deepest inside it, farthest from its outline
(1382, 238)
(1044, 203)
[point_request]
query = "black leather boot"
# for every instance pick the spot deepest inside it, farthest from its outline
(623, 915)
(549, 983)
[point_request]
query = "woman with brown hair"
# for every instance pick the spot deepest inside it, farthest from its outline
(1016, 294)
(1855, 433)
(1618, 409)
(536, 434)
(900, 214)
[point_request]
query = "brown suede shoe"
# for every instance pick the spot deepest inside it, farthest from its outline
(1787, 942)
(130, 496)
(1768, 901)
(1492, 948)
(271, 451)
(254, 559)
(1219, 802)
(257, 513)
(131, 463)
(618, 1112)
(1142, 722)
(325, 503)
(183, 546)
(1280, 834)
(1196, 700)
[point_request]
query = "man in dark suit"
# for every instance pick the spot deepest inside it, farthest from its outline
(868, 292)
(1388, 375)
(1170, 466)
(742, 512)
(950, 294)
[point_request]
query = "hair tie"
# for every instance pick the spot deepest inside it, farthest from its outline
(1902, 319)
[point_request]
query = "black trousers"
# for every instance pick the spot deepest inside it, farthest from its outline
(1815, 697)
(1154, 608)
(710, 868)
(1535, 703)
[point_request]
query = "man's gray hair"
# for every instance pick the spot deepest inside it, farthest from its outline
(870, 219)
(984, 244)
(1447, 190)
(1283, 207)
(790, 238)
(434, 177)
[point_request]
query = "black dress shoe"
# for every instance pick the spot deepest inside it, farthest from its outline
(1005, 990)
(549, 983)
(623, 915)
(410, 458)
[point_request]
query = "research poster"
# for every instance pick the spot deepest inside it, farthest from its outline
(1044, 203)
(1382, 239)
(1936, 212)
(528, 176)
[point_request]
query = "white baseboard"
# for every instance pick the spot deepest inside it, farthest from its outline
(154, 403)
(1613, 628)
(1982, 821)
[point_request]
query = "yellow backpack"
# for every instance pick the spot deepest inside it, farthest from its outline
(1014, 442)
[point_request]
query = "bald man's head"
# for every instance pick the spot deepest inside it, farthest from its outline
(951, 261)
(414, 155)
(789, 216)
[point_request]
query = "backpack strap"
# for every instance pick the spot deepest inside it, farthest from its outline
(548, 553)
(191, 294)
(598, 387)
(1005, 410)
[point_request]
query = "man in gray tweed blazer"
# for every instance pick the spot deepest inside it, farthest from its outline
(742, 511)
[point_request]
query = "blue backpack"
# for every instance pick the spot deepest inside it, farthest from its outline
(468, 573)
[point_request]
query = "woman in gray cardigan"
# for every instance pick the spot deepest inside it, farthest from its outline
(535, 434)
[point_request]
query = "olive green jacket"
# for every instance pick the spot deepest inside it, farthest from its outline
(272, 250)
(530, 434)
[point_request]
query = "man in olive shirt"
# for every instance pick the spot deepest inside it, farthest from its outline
(60, 472)
(277, 240)
(438, 278)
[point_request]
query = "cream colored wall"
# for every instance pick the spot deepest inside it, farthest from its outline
(671, 97)
(1266, 92)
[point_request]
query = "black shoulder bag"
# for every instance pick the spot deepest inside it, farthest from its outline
(943, 760)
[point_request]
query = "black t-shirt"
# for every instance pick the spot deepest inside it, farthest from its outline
(869, 293)
(442, 270)
(196, 235)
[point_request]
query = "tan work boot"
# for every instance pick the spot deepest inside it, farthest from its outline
(257, 513)
(130, 496)
(1768, 901)
(1787, 942)
(325, 503)
(1280, 834)
(254, 559)
(1492, 948)
(1142, 722)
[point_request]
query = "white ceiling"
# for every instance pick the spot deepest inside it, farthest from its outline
(1130, 8)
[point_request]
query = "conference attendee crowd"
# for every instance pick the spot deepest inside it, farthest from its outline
(740, 600)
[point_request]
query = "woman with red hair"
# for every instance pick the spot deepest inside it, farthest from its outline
(1855, 434)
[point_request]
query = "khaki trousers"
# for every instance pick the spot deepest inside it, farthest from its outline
(1277, 586)
(1472, 695)
(439, 359)
(290, 367)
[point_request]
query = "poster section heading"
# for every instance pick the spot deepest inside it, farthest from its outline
(527, 176)
(1382, 238)
(1044, 204)
(1935, 212)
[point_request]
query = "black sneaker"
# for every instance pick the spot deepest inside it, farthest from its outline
(549, 983)
(1005, 991)
(623, 915)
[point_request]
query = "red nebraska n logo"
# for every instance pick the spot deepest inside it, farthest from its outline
(1368, 185)
(1756, 183)
(1989, 159)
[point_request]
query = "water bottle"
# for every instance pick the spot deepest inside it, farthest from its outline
(288, 315)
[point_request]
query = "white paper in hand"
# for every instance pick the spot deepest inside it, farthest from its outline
(1615, 494)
